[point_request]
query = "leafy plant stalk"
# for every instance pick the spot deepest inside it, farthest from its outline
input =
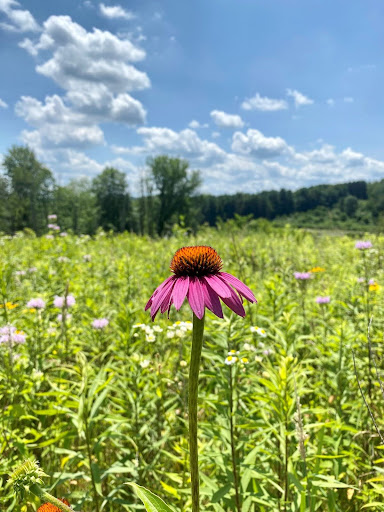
(197, 344)
(233, 442)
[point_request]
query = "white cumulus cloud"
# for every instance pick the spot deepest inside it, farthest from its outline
(96, 71)
(115, 11)
(56, 124)
(264, 104)
(256, 144)
(299, 98)
(3, 104)
(225, 120)
(17, 20)
(195, 125)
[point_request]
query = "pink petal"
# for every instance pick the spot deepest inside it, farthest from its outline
(218, 286)
(149, 303)
(170, 304)
(158, 289)
(180, 291)
(162, 292)
(212, 300)
(196, 297)
(238, 285)
(167, 300)
(235, 304)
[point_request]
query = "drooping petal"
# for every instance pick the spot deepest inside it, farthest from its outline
(180, 291)
(196, 297)
(158, 299)
(238, 285)
(148, 304)
(234, 303)
(167, 299)
(158, 289)
(219, 286)
(212, 300)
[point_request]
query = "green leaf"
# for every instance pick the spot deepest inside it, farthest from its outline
(221, 493)
(151, 502)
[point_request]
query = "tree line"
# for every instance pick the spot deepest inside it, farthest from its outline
(168, 195)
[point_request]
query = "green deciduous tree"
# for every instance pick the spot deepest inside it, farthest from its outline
(75, 205)
(31, 188)
(174, 186)
(112, 198)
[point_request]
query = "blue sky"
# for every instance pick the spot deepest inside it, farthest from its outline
(257, 95)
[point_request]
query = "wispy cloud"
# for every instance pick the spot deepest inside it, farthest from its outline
(264, 104)
(299, 98)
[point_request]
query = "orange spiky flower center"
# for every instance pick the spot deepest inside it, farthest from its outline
(198, 261)
(48, 507)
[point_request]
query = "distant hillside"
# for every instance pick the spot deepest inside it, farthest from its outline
(355, 205)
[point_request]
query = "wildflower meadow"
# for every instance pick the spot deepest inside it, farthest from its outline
(281, 411)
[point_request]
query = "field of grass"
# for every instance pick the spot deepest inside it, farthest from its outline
(101, 407)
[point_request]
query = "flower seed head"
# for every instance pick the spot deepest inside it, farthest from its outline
(198, 261)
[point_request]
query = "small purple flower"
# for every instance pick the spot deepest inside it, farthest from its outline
(36, 303)
(56, 228)
(100, 323)
(59, 301)
(363, 244)
(63, 234)
(371, 281)
(302, 276)
(9, 334)
(51, 226)
(323, 300)
(52, 217)
(60, 317)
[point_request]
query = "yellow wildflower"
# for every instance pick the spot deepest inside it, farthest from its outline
(9, 305)
(317, 269)
(374, 287)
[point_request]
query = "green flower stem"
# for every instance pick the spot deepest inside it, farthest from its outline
(45, 496)
(197, 344)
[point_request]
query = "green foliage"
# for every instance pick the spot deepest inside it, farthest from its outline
(152, 502)
(100, 408)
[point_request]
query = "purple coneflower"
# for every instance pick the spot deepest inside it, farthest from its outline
(198, 276)
(59, 301)
(36, 303)
(100, 323)
(302, 276)
(362, 244)
(323, 300)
